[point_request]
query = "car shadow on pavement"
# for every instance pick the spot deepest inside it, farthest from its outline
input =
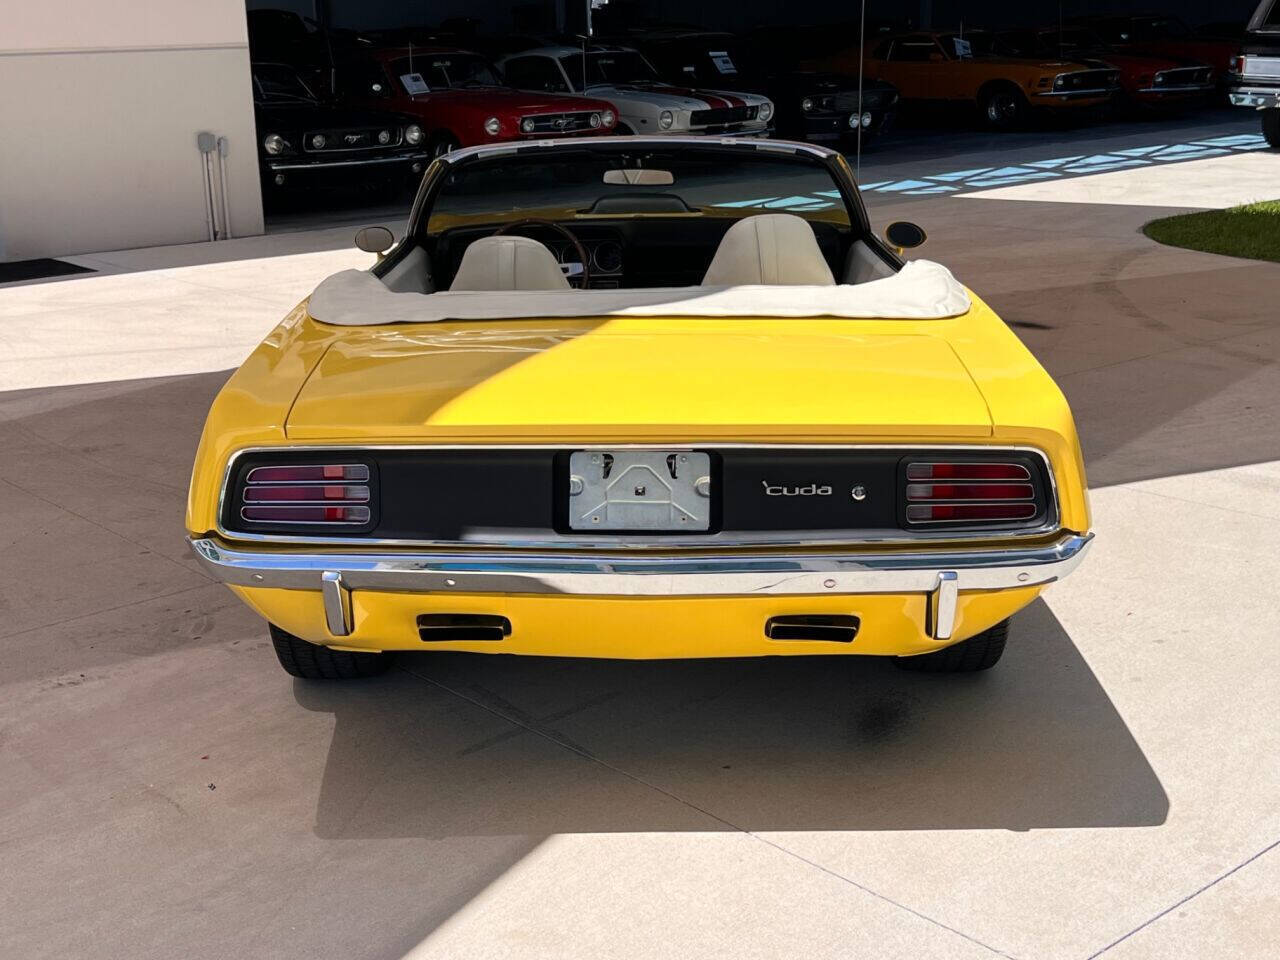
(496, 745)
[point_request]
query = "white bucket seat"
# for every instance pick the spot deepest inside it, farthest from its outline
(771, 248)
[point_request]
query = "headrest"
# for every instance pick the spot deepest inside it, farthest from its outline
(770, 248)
(508, 263)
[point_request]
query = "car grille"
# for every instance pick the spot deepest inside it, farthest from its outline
(1089, 80)
(719, 116)
(560, 122)
(361, 138)
(1184, 77)
(1262, 67)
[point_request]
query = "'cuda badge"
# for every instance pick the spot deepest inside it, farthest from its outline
(795, 490)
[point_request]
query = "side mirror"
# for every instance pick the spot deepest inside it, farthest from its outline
(903, 235)
(375, 240)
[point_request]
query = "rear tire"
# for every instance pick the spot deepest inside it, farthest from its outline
(313, 662)
(979, 652)
(1271, 126)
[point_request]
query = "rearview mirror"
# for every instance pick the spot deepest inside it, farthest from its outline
(648, 178)
(904, 235)
(375, 240)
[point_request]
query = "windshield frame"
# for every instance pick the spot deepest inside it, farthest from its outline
(836, 166)
(571, 65)
(260, 95)
(423, 62)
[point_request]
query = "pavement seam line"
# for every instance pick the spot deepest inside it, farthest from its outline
(115, 533)
(1191, 896)
(101, 610)
(1134, 487)
(584, 754)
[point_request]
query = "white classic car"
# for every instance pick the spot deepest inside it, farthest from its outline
(644, 103)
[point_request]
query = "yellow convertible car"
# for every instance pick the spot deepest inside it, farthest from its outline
(639, 397)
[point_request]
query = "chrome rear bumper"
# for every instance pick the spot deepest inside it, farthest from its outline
(940, 573)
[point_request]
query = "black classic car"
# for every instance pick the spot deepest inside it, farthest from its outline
(1255, 77)
(305, 143)
(819, 107)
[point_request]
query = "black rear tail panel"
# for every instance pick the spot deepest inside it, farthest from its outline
(514, 495)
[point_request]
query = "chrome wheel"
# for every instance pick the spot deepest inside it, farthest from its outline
(1002, 108)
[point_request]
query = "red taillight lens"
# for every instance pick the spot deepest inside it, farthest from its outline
(955, 512)
(970, 492)
(294, 493)
(309, 473)
(967, 471)
(307, 514)
(320, 493)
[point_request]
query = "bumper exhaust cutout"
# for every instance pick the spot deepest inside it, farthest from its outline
(462, 627)
(823, 627)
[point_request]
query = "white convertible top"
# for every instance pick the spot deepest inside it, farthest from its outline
(922, 290)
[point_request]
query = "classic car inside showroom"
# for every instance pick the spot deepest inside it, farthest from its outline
(627, 479)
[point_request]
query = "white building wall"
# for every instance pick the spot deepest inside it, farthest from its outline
(100, 104)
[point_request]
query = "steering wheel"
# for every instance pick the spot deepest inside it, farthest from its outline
(585, 278)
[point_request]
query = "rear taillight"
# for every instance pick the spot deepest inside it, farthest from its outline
(967, 471)
(970, 492)
(321, 493)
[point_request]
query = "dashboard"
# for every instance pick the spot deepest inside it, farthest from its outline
(606, 259)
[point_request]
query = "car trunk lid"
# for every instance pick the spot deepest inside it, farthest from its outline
(637, 379)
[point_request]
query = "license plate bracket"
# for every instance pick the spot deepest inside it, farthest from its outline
(640, 490)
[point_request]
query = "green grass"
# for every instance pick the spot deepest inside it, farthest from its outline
(1251, 231)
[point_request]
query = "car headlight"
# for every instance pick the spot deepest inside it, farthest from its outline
(1161, 78)
(766, 111)
(608, 118)
(274, 144)
(527, 125)
(318, 141)
(413, 134)
(866, 119)
(665, 120)
(492, 126)
(853, 121)
(384, 136)
(1059, 81)
(806, 104)
(595, 120)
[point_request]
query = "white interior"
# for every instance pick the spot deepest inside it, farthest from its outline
(508, 263)
(769, 249)
(922, 290)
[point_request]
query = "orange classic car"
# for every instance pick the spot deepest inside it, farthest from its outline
(949, 67)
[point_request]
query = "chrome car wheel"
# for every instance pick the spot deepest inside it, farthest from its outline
(1002, 108)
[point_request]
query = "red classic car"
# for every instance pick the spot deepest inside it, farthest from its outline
(1169, 37)
(1146, 79)
(461, 101)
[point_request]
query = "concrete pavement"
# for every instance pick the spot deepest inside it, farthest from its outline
(1111, 788)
